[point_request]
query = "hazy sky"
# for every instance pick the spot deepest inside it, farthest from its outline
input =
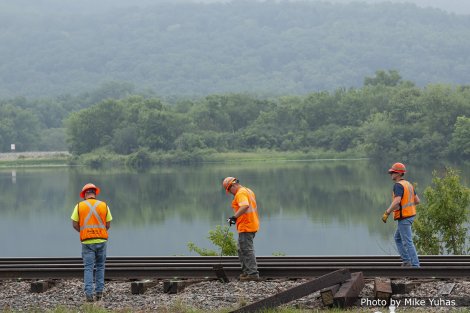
(453, 6)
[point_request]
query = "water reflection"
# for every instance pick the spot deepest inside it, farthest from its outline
(306, 208)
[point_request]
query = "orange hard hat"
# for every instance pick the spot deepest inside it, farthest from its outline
(228, 182)
(397, 168)
(87, 187)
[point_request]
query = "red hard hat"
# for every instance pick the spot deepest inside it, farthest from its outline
(397, 168)
(228, 182)
(87, 187)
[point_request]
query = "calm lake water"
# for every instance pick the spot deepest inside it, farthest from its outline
(306, 208)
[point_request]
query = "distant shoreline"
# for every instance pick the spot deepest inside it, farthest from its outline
(8, 156)
(64, 158)
(35, 158)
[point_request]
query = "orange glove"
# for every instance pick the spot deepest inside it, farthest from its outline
(385, 216)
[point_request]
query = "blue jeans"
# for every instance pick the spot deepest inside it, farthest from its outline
(404, 241)
(94, 256)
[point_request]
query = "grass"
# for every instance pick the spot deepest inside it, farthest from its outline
(267, 155)
(103, 158)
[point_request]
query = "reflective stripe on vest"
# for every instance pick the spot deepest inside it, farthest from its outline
(98, 229)
(93, 212)
(407, 204)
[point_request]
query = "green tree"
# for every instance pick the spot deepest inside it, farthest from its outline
(392, 78)
(441, 224)
(93, 127)
(18, 126)
(124, 140)
(460, 143)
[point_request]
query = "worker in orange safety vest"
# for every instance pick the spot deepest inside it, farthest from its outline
(92, 219)
(403, 206)
(247, 222)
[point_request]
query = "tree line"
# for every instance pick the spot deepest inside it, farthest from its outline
(386, 118)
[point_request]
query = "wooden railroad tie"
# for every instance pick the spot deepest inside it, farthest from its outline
(139, 287)
(383, 288)
(327, 295)
(349, 291)
(297, 292)
(42, 285)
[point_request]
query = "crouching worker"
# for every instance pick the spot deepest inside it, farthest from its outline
(92, 219)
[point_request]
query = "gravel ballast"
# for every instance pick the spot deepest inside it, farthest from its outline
(208, 295)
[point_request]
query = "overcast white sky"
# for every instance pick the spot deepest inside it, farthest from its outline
(452, 6)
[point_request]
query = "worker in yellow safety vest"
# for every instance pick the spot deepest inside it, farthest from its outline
(92, 219)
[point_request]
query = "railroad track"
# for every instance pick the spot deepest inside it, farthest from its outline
(168, 267)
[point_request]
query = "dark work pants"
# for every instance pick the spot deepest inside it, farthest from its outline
(246, 253)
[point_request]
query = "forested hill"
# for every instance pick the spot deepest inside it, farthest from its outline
(266, 48)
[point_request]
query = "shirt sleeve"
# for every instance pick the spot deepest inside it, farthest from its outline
(109, 217)
(241, 199)
(74, 216)
(398, 190)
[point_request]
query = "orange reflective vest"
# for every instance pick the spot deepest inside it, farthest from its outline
(407, 203)
(249, 221)
(92, 219)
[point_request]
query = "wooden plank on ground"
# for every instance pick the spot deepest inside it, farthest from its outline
(383, 288)
(446, 289)
(297, 292)
(42, 285)
(327, 295)
(139, 287)
(349, 290)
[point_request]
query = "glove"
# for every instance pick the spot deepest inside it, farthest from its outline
(385, 216)
(232, 220)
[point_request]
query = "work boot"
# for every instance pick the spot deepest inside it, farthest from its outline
(253, 277)
(89, 298)
(242, 275)
(99, 296)
(406, 264)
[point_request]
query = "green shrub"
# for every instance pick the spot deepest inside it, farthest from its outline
(220, 237)
(441, 223)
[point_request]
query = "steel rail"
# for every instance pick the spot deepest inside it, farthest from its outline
(269, 267)
(204, 259)
(208, 272)
(206, 264)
